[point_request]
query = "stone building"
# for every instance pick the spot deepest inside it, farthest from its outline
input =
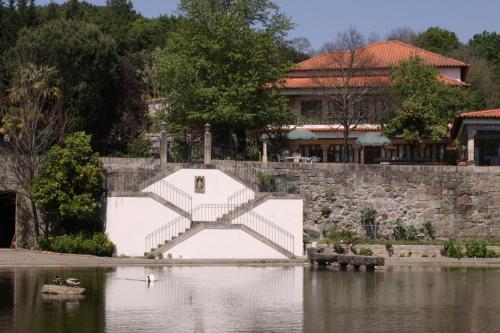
(311, 88)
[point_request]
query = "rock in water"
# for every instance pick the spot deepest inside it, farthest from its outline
(61, 290)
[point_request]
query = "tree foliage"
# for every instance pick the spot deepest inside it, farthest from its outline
(216, 65)
(69, 186)
(427, 105)
(87, 63)
(438, 40)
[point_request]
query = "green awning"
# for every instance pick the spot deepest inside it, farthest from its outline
(373, 139)
(301, 134)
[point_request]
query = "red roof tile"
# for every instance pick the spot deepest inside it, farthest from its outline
(495, 113)
(383, 54)
(485, 114)
(358, 81)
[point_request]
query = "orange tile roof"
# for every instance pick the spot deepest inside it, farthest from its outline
(383, 54)
(357, 81)
(485, 114)
(340, 128)
(495, 113)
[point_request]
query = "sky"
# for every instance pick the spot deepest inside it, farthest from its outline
(320, 20)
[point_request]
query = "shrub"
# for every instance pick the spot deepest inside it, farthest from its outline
(69, 187)
(364, 251)
(474, 249)
(428, 230)
(453, 249)
(339, 249)
(139, 147)
(399, 229)
(390, 249)
(265, 182)
(402, 231)
(342, 236)
(368, 217)
(325, 210)
(98, 244)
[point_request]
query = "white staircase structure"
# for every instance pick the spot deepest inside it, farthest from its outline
(227, 220)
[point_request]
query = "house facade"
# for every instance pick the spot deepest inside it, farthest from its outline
(313, 85)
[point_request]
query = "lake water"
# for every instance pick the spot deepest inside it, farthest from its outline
(254, 299)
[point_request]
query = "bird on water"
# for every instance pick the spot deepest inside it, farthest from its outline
(72, 282)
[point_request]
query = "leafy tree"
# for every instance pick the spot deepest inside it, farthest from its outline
(88, 64)
(216, 66)
(31, 121)
(427, 105)
(69, 187)
(438, 40)
(487, 45)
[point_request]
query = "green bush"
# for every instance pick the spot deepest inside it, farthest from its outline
(402, 231)
(364, 251)
(98, 244)
(336, 236)
(428, 230)
(325, 210)
(453, 249)
(399, 229)
(69, 187)
(266, 183)
(473, 249)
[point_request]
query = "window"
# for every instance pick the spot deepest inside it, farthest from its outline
(310, 111)
(361, 110)
(311, 151)
(335, 153)
(333, 112)
(434, 152)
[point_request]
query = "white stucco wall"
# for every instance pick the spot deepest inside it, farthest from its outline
(453, 73)
(218, 186)
(223, 244)
(285, 213)
(130, 219)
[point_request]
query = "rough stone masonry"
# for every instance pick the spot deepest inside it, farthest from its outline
(459, 201)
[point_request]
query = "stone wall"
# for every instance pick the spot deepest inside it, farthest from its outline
(459, 201)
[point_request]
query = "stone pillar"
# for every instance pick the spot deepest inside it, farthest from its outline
(382, 152)
(471, 153)
(207, 145)
(163, 143)
(325, 152)
(356, 154)
(264, 151)
(362, 155)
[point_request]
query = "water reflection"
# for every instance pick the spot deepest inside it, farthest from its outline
(254, 299)
(205, 299)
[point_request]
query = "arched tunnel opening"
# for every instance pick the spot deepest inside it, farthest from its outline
(7, 218)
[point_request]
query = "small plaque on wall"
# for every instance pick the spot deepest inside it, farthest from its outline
(199, 184)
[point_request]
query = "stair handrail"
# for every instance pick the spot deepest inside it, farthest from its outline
(268, 229)
(172, 194)
(209, 212)
(165, 233)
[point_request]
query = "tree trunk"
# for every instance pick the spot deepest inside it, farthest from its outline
(345, 156)
(35, 217)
